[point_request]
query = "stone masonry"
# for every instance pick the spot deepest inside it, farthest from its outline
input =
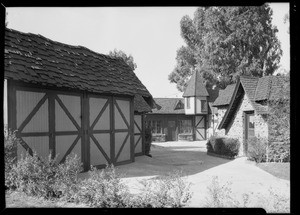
(236, 128)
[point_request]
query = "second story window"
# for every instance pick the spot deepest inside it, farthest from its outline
(188, 106)
(203, 105)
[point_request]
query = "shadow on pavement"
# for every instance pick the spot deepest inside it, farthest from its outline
(189, 159)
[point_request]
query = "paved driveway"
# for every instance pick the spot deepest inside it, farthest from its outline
(200, 168)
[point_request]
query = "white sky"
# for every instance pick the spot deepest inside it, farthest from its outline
(150, 34)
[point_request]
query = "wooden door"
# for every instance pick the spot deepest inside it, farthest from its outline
(138, 135)
(200, 128)
(100, 130)
(249, 129)
(172, 130)
(123, 130)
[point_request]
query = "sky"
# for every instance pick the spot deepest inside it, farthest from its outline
(150, 34)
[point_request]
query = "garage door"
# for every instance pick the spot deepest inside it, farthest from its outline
(99, 129)
(48, 122)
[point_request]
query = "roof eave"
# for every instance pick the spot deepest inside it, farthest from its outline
(221, 125)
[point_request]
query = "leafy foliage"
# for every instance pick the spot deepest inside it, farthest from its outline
(166, 191)
(43, 177)
(279, 123)
(257, 149)
(223, 146)
(220, 195)
(128, 59)
(10, 144)
(103, 189)
(226, 42)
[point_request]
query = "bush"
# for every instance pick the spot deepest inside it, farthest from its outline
(278, 152)
(166, 191)
(102, 189)
(257, 149)
(10, 144)
(223, 146)
(221, 195)
(43, 177)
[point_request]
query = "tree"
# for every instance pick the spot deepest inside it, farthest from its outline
(226, 42)
(128, 59)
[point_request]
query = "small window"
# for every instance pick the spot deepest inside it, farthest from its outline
(185, 126)
(156, 127)
(188, 106)
(203, 105)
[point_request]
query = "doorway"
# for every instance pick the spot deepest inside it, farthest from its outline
(171, 130)
(249, 129)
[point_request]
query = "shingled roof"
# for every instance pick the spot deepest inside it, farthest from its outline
(224, 96)
(167, 106)
(36, 59)
(257, 89)
(195, 86)
(140, 105)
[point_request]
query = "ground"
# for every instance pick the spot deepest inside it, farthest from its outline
(200, 168)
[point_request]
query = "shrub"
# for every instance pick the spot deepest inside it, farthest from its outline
(43, 177)
(165, 191)
(278, 152)
(223, 145)
(102, 189)
(256, 149)
(221, 195)
(10, 144)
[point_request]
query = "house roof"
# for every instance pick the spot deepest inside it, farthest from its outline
(195, 86)
(36, 59)
(268, 87)
(224, 96)
(167, 106)
(140, 105)
(257, 90)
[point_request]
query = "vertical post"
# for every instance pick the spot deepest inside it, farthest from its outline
(85, 131)
(12, 110)
(112, 130)
(131, 129)
(51, 117)
(143, 133)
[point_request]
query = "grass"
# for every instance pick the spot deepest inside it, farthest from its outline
(280, 170)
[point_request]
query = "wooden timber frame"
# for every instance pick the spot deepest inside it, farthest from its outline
(139, 134)
(84, 131)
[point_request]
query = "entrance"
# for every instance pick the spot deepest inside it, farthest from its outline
(171, 130)
(249, 129)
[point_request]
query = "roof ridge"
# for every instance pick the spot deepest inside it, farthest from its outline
(61, 43)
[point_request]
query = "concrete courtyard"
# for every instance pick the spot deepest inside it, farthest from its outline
(199, 168)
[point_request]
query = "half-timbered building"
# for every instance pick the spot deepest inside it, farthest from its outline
(63, 99)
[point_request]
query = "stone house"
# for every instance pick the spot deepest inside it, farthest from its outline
(242, 108)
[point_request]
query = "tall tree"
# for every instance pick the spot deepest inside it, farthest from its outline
(128, 59)
(226, 42)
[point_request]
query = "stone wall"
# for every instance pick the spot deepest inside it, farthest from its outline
(221, 112)
(236, 128)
